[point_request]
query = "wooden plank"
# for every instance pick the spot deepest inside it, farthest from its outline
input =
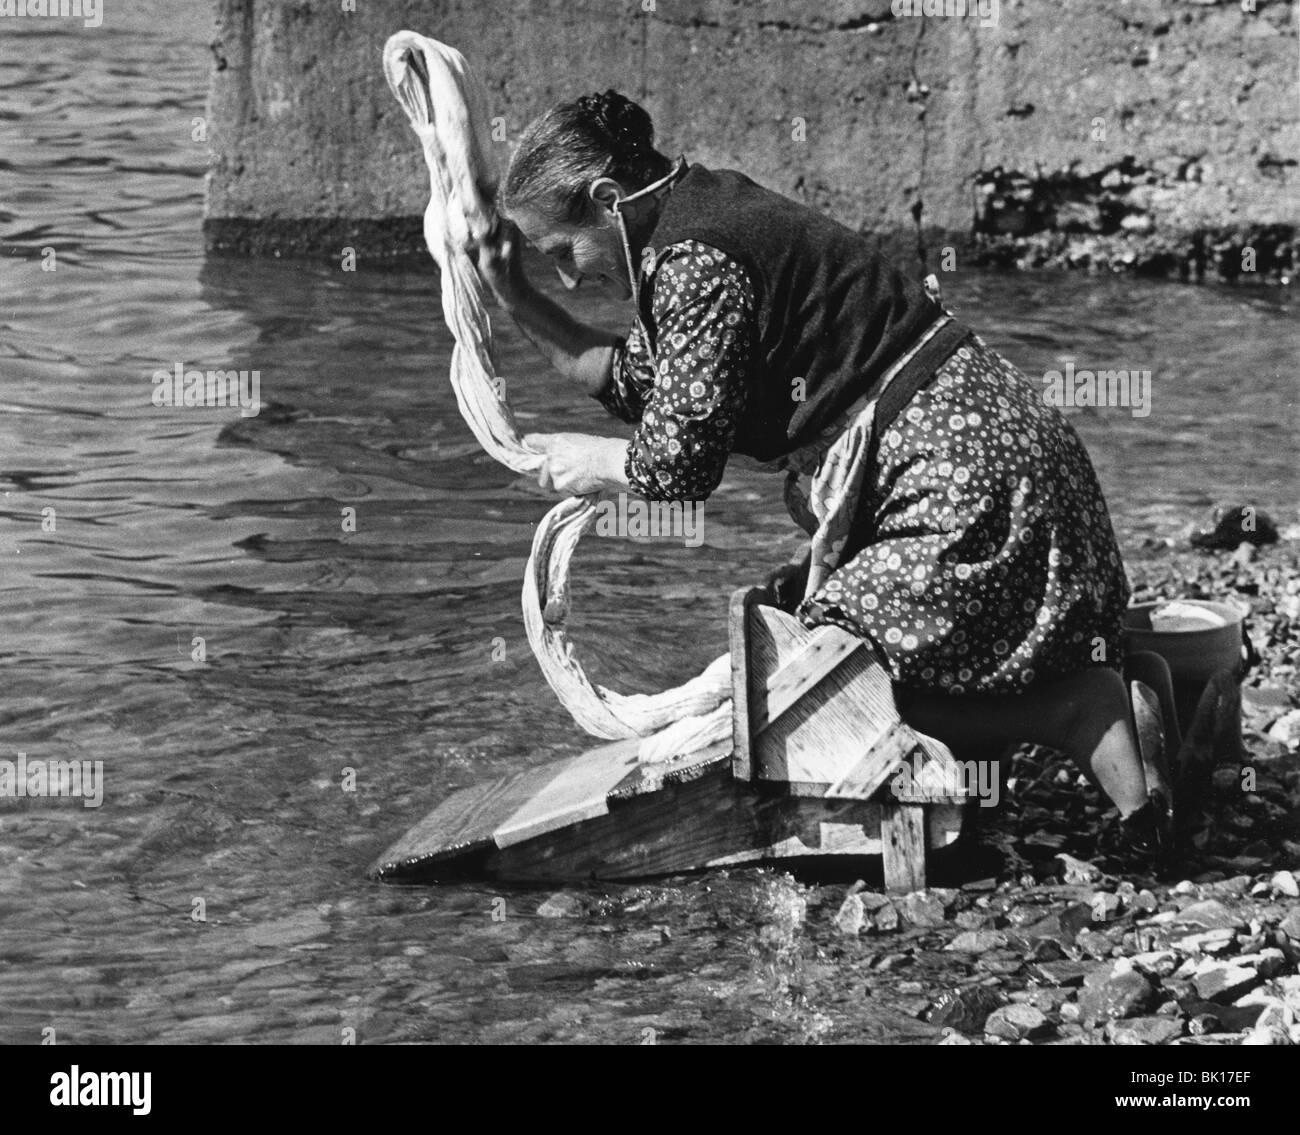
(801, 672)
(877, 765)
(825, 735)
(699, 817)
(553, 797)
(903, 836)
(742, 765)
(465, 821)
(577, 790)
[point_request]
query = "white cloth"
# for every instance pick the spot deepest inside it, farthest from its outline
(447, 109)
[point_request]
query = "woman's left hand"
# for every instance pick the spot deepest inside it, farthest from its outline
(578, 464)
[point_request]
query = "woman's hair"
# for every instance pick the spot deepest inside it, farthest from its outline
(572, 144)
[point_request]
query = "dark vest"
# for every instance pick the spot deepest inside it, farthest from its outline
(830, 309)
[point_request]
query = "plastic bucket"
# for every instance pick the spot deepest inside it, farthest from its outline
(1194, 656)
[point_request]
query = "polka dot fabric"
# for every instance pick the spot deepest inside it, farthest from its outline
(689, 392)
(992, 563)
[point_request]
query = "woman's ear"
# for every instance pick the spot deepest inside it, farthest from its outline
(606, 192)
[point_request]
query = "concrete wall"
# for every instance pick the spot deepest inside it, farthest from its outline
(1158, 134)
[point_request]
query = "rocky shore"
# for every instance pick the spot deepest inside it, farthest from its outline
(1056, 946)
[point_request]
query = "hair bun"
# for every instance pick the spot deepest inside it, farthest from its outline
(626, 124)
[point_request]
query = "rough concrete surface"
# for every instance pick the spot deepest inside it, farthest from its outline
(1156, 135)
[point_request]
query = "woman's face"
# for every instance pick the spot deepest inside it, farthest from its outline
(592, 251)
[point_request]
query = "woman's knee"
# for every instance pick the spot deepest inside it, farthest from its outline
(1094, 697)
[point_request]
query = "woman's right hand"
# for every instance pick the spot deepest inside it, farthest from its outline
(499, 259)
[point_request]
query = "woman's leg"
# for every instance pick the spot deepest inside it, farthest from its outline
(1086, 717)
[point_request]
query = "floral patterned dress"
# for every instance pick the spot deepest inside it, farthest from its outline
(992, 563)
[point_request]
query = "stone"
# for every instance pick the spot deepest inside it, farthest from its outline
(1157, 963)
(1108, 995)
(977, 941)
(1062, 973)
(1290, 925)
(1267, 963)
(1228, 1018)
(1206, 942)
(1145, 902)
(1144, 1030)
(1105, 906)
(1286, 729)
(923, 909)
(1225, 983)
(851, 917)
(885, 918)
(1016, 1022)
(1209, 914)
(1078, 870)
(1284, 883)
(561, 905)
(966, 1009)
(1094, 945)
(1268, 1034)
(1203, 1023)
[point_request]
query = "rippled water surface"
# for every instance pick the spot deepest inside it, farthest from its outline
(374, 650)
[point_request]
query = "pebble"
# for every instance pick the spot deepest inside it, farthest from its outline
(1062, 972)
(966, 1009)
(1016, 1022)
(851, 916)
(923, 908)
(1144, 1030)
(1225, 983)
(1207, 941)
(1284, 883)
(1286, 729)
(1094, 945)
(1078, 870)
(1157, 963)
(1290, 925)
(1105, 906)
(977, 941)
(1108, 995)
(885, 918)
(1209, 914)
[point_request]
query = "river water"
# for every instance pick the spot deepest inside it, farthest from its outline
(219, 893)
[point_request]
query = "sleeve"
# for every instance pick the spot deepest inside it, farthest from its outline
(631, 378)
(703, 308)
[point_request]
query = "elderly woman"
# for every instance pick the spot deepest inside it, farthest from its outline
(955, 520)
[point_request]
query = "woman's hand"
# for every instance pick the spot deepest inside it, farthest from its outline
(499, 259)
(578, 464)
(787, 584)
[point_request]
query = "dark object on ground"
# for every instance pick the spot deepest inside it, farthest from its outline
(1238, 524)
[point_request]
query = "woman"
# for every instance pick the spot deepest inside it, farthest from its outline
(961, 530)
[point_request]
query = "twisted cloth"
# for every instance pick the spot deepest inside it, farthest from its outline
(447, 108)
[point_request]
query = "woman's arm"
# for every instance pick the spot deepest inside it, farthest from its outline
(578, 351)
